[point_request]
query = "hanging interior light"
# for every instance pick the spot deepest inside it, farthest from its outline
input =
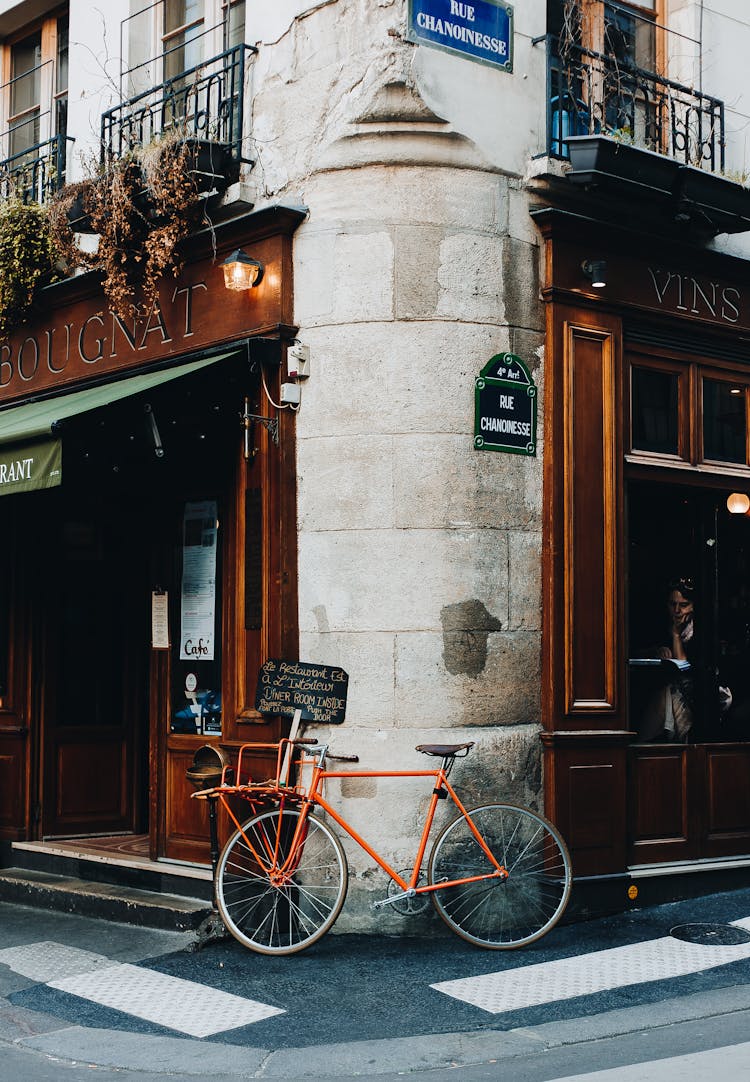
(240, 271)
(738, 503)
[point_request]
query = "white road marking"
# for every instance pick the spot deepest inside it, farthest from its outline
(586, 974)
(178, 1004)
(44, 961)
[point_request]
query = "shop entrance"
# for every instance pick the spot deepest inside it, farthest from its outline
(94, 699)
(140, 477)
(689, 673)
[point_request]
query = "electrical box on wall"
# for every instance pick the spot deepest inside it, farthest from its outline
(290, 394)
(298, 361)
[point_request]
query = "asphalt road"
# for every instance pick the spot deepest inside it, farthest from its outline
(357, 1006)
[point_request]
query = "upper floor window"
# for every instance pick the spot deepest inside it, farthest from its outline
(172, 37)
(182, 36)
(33, 101)
(629, 33)
(25, 89)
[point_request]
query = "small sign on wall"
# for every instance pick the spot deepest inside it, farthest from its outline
(479, 30)
(505, 407)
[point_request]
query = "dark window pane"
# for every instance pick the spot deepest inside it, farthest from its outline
(629, 36)
(723, 422)
(25, 90)
(654, 411)
(234, 26)
(61, 80)
(91, 671)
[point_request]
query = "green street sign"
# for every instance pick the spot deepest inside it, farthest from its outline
(505, 407)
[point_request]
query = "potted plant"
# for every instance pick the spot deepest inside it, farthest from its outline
(27, 260)
(722, 199)
(141, 206)
(595, 159)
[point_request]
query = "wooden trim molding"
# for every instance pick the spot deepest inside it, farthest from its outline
(590, 632)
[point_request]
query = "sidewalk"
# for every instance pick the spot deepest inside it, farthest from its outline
(118, 996)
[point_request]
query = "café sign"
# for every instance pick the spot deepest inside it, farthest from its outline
(505, 406)
(480, 30)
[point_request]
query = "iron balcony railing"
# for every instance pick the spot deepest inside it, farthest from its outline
(35, 174)
(204, 102)
(590, 93)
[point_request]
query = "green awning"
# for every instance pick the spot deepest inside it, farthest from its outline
(31, 467)
(31, 457)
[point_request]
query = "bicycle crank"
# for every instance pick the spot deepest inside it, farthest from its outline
(405, 902)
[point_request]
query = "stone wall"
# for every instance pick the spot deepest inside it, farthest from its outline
(419, 557)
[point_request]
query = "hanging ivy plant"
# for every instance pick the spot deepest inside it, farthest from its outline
(141, 206)
(27, 260)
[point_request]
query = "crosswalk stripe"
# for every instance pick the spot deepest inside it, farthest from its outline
(173, 1002)
(44, 961)
(182, 1005)
(600, 971)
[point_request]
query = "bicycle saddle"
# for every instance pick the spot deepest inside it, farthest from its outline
(444, 749)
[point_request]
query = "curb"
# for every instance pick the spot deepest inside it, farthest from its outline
(191, 1058)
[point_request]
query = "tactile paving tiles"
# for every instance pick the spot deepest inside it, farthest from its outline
(44, 961)
(190, 1008)
(566, 978)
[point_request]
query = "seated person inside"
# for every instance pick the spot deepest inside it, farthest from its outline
(666, 712)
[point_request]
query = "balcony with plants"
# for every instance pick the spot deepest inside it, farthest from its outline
(169, 149)
(630, 130)
(200, 105)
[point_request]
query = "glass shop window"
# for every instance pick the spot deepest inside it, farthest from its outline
(196, 661)
(689, 622)
(724, 421)
(655, 411)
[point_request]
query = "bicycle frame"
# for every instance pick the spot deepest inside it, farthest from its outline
(311, 796)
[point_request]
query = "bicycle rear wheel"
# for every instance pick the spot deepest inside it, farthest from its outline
(273, 913)
(494, 913)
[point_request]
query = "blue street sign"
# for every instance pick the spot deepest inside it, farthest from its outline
(478, 29)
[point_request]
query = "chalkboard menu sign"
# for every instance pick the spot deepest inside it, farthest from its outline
(318, 691)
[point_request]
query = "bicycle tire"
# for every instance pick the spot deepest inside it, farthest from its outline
(501, 914)
(286, 916)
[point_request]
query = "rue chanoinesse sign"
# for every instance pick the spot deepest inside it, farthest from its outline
(505, 402)
(479, 30)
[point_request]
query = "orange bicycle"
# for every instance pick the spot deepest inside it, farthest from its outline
(498, 875)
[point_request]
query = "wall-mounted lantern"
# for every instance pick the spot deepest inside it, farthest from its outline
(241, 272)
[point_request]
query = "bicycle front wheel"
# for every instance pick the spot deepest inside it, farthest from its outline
(495, 913)
(276, 897)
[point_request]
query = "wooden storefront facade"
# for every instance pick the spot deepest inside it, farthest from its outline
(168, 437)
(646, 434)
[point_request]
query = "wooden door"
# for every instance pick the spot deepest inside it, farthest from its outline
(91, 666)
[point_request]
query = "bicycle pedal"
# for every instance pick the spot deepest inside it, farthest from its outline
(382, 902)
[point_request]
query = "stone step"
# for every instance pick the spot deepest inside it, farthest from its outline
(75, 861)
(105, 901)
